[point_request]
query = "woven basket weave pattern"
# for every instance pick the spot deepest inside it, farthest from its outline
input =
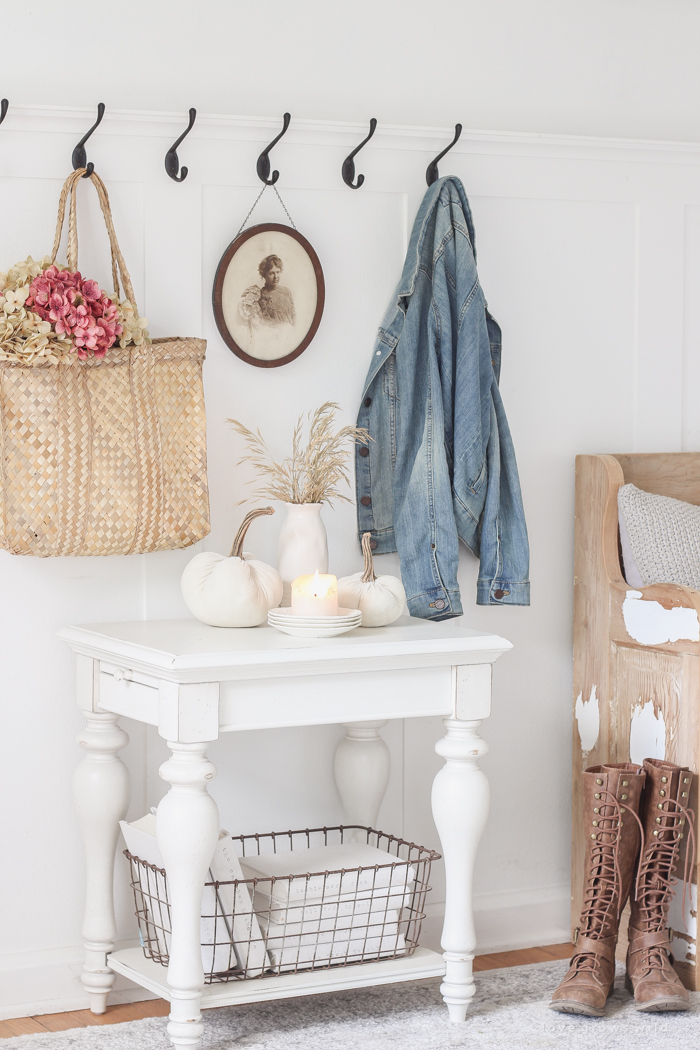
(105, 456)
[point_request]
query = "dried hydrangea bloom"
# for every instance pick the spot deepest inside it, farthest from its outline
(135, 328)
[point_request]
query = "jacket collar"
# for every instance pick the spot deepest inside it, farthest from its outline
(440, 191)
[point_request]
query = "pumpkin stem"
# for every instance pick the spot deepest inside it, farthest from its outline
(237, 547)
(368, 575)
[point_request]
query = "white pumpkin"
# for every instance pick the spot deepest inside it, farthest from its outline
(236, 591)
(381, 598)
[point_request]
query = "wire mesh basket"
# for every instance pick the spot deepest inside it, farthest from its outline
(263, 927)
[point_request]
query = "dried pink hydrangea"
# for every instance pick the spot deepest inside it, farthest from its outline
(77, 309)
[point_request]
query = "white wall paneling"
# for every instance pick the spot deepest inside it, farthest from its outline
(589, 253)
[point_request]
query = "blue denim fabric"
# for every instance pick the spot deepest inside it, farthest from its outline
(441, 465)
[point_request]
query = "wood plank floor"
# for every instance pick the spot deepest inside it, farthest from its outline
(160, 1008)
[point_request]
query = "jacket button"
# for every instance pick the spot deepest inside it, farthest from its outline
(373, 545)
(498, 594)
(365, 501)
(364, 451)
(368, 402)
(440, 604)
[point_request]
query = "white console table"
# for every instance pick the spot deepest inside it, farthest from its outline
(194, 682)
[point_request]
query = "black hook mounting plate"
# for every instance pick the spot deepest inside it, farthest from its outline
(431, 172)
(4, 104)
(349, 162)
(79, 157)
(172, 164)
(263, 164)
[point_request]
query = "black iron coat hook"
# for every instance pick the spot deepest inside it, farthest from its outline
(3, 109)
(431, 172)
(263, 165)
(79, 157)
(171, 162)
(349, 162)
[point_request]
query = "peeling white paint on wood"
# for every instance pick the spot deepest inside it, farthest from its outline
(647, 733)
(588, 720)
(649, 623)
(684, 924)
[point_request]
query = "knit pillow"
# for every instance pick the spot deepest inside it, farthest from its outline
(660, 538)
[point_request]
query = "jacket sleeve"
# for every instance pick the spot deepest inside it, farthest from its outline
(504, 556)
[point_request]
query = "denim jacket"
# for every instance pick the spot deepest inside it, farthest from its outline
(441, 465)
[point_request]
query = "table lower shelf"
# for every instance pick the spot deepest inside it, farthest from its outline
(131, 963)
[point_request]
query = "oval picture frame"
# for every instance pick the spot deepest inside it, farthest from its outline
(268, 296)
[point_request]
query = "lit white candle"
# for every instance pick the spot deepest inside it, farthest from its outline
(315, 595)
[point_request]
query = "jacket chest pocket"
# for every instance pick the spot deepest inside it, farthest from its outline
(390, 392)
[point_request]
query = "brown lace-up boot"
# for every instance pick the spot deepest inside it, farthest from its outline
(611, 796)
(665, 817)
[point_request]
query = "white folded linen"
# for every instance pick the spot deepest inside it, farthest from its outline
(369, 925)
(326, 949)
(380, 870)
(376, 903)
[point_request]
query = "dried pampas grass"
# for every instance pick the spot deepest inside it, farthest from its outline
(313, 474)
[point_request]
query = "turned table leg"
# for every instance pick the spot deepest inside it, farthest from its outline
(101, 795)
(460, 807)
(362, 768)
(187, 830)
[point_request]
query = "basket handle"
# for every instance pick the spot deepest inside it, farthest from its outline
(118, 264)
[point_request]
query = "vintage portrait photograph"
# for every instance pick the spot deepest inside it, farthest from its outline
(268, 295)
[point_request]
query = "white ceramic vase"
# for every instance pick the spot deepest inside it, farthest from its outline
(303, 545)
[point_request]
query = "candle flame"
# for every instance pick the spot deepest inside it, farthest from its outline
(318, 588)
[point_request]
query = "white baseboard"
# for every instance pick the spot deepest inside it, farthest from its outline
(509, 920)
(44, 982)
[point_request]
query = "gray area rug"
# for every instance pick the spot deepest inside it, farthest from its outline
(509, 1012)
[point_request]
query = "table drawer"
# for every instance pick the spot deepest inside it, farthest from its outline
(127, 696)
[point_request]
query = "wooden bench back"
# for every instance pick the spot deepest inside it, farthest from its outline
(675, 474)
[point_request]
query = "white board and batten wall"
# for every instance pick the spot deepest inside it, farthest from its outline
(589, 253)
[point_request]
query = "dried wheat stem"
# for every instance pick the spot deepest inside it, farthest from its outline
(237, 547)
(368, 575)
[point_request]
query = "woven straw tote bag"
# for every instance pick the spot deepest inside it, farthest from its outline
(103, 455)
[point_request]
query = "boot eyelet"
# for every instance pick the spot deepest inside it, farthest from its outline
(597, 809)
(686, 780)
(684, 794)
(662, 794)
(598, 795)
(656, 832)
(624, 783)
(623, 797)
(599, 781)
(594, 836)
(681, 835)
(595, 823)
(658, 820)
(660, 805)
(664, 780)
(681, 822)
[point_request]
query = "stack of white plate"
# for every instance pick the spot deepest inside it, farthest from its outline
(314, 626)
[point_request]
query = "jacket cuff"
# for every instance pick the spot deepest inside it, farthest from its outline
(381, 542)
(502, 592)
(437, 604)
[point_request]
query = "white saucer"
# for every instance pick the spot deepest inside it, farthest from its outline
(315, 632)
(286, 616)
(314, 626)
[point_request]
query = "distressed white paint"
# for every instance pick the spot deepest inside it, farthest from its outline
(647, 733)
(588, 721)
(649, 623)
(684, 922)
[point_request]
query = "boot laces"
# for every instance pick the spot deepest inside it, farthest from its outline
(655, 880)
(604, 883)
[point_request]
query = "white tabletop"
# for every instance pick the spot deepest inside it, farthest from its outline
(174, 649)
